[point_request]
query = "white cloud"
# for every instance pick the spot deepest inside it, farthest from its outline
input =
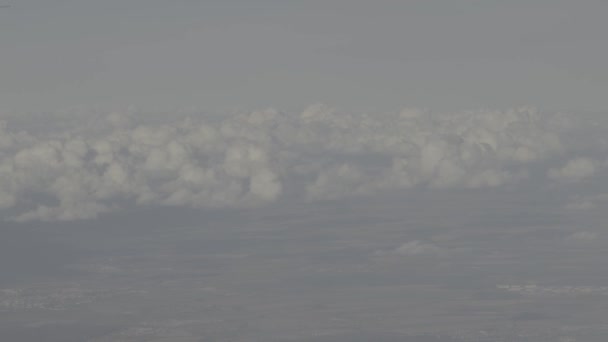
(575, 170)
(80, 170)
(587, 202)
(582, 237)
(412, 248)
(581, 204)
(417, 248)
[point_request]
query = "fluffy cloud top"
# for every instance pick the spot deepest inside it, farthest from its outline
(80, 170)
(575, 170)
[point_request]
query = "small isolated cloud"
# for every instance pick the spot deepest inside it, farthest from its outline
(412, 248)
(575, 170)
(586, 202)
(417, 248)
(581, 204)
(582, 237)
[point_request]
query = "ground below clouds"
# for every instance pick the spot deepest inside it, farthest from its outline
(329, 271)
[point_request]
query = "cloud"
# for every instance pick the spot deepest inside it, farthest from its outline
(582, 237)
(580, 204)
(417, 248)
(84, 166)
(575, 170)
(587, 202)
(412, 248)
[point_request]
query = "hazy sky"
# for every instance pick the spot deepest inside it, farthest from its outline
(314, 170)
(159, 55)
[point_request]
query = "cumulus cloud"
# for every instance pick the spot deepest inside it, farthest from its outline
(82, 169)
(575, 170)
(582, 237)
(587, 202)
(412, 248)
(581, 204)
(416, 248)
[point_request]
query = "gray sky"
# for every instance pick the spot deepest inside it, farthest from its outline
(159, 55)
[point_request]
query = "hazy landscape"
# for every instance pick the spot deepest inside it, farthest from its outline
(312, 171)
(325, 272)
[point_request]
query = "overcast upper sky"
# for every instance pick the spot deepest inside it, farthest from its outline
(158, 55)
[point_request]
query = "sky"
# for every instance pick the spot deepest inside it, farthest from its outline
(225, 55)
(305, 171)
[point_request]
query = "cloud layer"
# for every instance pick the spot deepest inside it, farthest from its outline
(85, 167)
